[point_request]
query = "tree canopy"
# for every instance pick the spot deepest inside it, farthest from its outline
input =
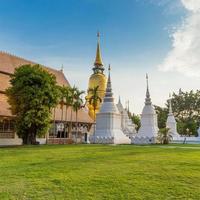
(162, 116)
(32, 95)
(136, 120)
(94, 99)
(186, 109)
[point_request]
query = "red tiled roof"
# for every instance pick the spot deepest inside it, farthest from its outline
(4, 106)
(82, 117)
(4, 81)
(8, 63)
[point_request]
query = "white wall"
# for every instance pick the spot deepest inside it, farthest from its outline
(17, 141)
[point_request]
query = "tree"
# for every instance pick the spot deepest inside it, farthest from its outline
(65, 101)
(32, 96)
(136, 120)
(77, 105)
(72, 93)
(164, 136)
(186, 109)
(187, 105)
(94, 99)
(68, 102)
(162, 116)
(62, 102)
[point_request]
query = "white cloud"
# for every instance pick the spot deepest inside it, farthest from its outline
(184, 57)
(193, 5)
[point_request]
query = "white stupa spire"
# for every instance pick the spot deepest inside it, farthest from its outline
(120, 106)
(127, 125)
(108, 104)
(170, 105)
(148, 131)
(109, 95)
(148, 98)
(171, 121)
(108, 120)
(119, 101)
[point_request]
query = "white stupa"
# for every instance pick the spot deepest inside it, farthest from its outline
(171, 122)
(198, 131)
(128, 127)
(148, 131)
(108, 121)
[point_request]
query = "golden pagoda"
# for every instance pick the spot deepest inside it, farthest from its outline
(98, 78)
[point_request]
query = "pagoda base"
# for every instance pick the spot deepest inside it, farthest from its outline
(110, 137)
(143, 140)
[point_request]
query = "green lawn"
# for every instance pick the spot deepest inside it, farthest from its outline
(100, 172)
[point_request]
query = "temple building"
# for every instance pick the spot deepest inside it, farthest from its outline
(60, 117)
(171, 122)
(99, 79)
(108, 121)
(148, 131)
(126, 123)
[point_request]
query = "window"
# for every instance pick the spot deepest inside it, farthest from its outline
(6, 125)
(7, 128)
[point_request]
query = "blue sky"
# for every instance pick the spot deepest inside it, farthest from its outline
(135, 39)
(60, 26)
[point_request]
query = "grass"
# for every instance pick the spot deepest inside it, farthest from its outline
(100, 172)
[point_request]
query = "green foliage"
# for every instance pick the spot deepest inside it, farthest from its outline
(100, 172)
(164, 136)
(66, 99)
(162, 116)
(77, 105)
(32, 95)
(78, 100)
(187, 128)
(67, 95)
(94, 99)
(136, 120)
(186, 107)
(70, 97)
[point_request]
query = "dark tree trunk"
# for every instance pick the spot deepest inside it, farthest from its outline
(94, 124)
(65, 130)
(70, 126)
(30, 137)
(76, 126)
(61, 122)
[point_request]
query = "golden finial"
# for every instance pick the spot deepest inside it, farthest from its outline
(98, 61)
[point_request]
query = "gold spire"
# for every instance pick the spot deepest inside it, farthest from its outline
(98, 61)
